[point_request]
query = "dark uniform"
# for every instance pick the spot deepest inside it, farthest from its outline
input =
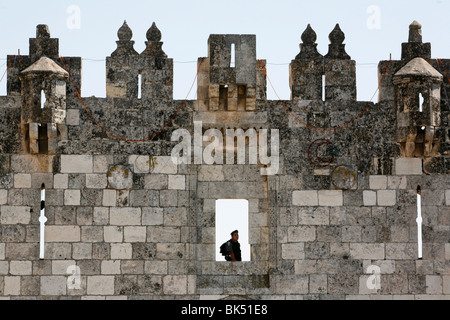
(234, 246)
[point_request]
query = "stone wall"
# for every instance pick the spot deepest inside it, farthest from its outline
(126, 222)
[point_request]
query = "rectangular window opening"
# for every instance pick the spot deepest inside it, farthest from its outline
(223, 97)
(231, 215)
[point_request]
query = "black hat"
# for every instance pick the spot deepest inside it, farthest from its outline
(235, 231)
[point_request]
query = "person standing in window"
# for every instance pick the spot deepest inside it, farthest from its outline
(234, 247)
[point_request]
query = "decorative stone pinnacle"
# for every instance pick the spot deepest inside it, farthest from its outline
(337, 36)
(125, 33)
(336, 48)
(309, 36)
(42, 31)
(154, 34)
(415, 32)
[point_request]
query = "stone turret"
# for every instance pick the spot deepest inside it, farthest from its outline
(340, 70)
(121, 71)
(306, 70)
(228, 85)
(43, 107)
(418, 96)
(126, 66)
(156, 68)
(316, 77)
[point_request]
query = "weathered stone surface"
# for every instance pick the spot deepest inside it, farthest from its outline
(140, 226)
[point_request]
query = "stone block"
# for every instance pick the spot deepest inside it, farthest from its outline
(100, 285)
(11, 286)
(155, 267)
(447, 197)
(2, 251)
(401, 251)
(110, 267)
(125, 216)
(408, 166)
(59, 267)
(446, 284)
(433, 284)
(102, 163)
(53, 285)
(77, 164)
(305, 198)
(175, 284)
(152, 216)
(313, 216)
(113, 234)
(332, 198)
(4, 268)
(174, 216)
(61, 181)
(100, 216)
(291, 284)
(121, 251)
(62, 233)
(164, 234)
(91, 234)
(164, 164)
(301, 233)
(135, 234)
(177, 182)
(367, 250)
(20, 268)
(386, 197)
(96, 181)
(397, 182)
(73, 117)
(109, 198)
(212, 173)
(318, 283)
(293, 250)
(156, 181)
(72, 197)
(3, 196)
(378, 182)
(14, 215)
(132, 267)
(22, 180)
(81, 251)
(369, 198)
(447, 251)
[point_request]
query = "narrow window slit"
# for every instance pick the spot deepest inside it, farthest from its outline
(324, 81)
(140, 86)
(43, 99)
(42, 221)
(419, 222)
(421, 100)
(233, 56)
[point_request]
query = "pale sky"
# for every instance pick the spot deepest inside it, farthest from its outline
(374, 29)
